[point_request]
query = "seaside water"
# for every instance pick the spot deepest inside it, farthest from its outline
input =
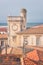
(28, 24)
(33, 24)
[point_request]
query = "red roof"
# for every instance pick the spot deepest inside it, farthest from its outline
(33, 30)
(9, 59)
(3, 29)
(34, 57)
(3, 36)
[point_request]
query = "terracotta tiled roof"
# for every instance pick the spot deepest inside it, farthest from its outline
(9, 59)
(40, 54)
(3, 32)
(3, 36)
(33, 30)
(3, 29)
(12, 51)
(29, 62)
(34, 57)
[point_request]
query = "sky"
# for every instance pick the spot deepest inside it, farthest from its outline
(13, 7)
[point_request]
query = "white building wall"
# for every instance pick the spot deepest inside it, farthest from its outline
(32, 40)
(29, 41)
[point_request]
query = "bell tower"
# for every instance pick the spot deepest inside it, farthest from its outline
(16, 24)
(23, 15)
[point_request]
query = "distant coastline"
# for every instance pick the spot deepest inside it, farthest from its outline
(27, 25)
(33, 24)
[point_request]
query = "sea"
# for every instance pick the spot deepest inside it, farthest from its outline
(27, 25)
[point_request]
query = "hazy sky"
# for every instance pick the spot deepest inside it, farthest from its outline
(13, 7)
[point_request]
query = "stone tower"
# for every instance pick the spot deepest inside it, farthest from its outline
(16, 24)
(23, 15)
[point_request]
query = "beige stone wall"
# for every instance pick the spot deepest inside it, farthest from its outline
(23, 14)
(16, 40)
(12, 36)
(11, 24)
(33, 39)
(19, 40)
(20, 21)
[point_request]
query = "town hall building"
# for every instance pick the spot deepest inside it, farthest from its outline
(19, 35)
(16, 24)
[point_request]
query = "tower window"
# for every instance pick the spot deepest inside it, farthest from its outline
(21, 27)
(24, 26)
(26, 40)
(14, 38)
(2, 43)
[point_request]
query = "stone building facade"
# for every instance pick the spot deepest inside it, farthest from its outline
(19, 35)
(32, 36)
(16, 24)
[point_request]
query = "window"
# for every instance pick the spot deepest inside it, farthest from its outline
(2, 43)
(25, 40)
(21, 27)
(32, 40)
(37, 41)
(14, 38)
